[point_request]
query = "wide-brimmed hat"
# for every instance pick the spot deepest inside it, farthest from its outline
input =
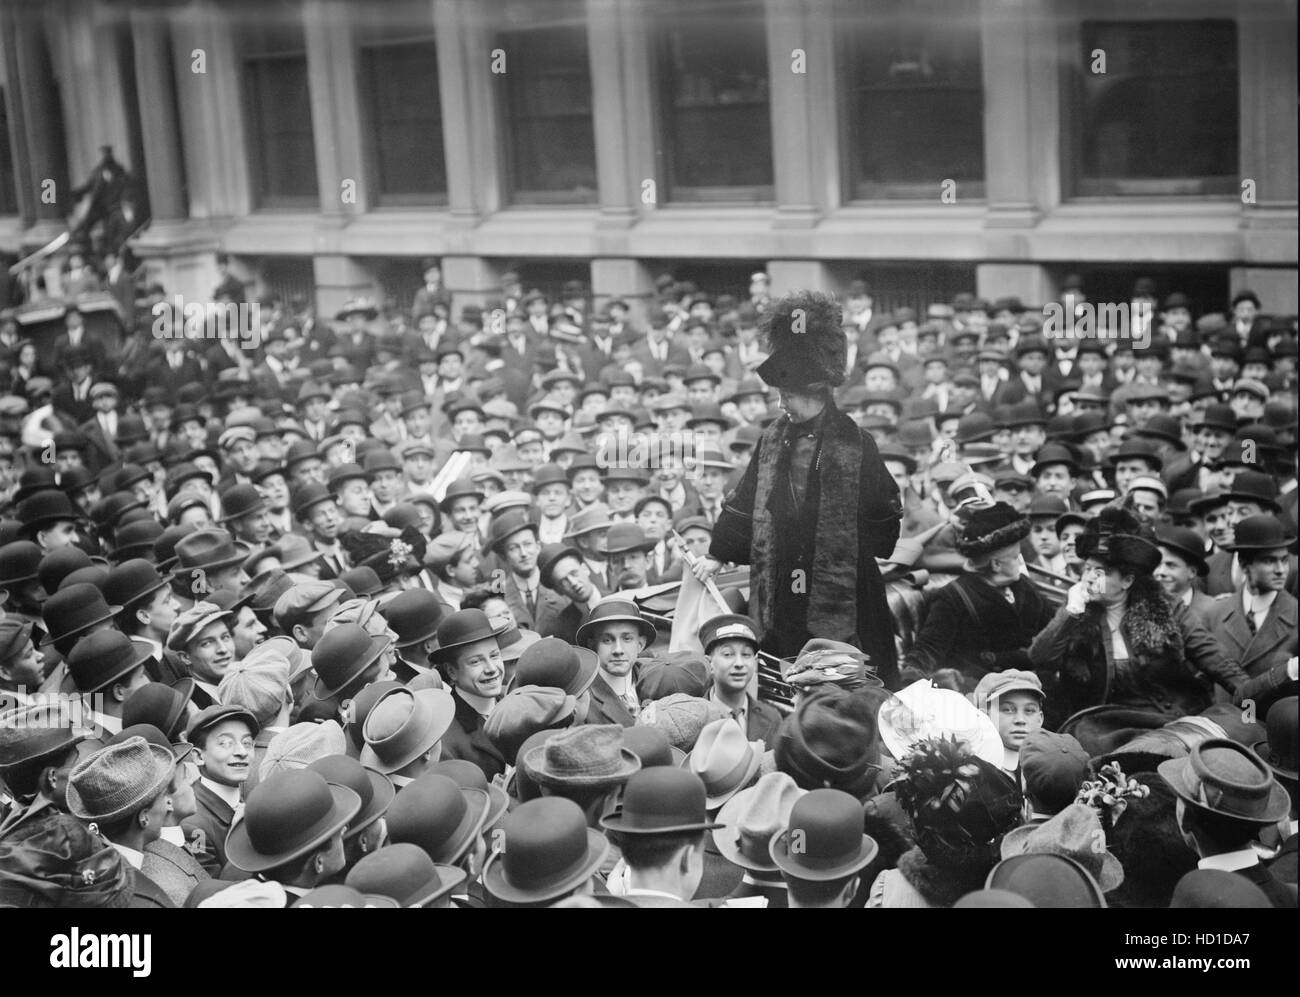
(405, 873)
(823, 840)
(403, 725)
(357, 306)
(548, 851)
(443, 818)
(725, 761)
(208, 550)
(615, 611)
(752, 818)
(591, 756)
(1223, 778)
(118, 780)
(73, 610)
(1075, 832)
(287, 816)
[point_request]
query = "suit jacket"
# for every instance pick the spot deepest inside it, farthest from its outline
(607, 707)
(173, 869)
(720, 877)
(466, 739)
(146, 893)
(207, 828)
(1200, 608)
(160, 374)
(1278, 893)
(1219, 579)
(550, 606)
(1259, 652)
(651, 366)
(92, 344)
(100, 450)
(762, 722)
(66, 405)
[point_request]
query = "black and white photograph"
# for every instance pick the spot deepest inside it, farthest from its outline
(649, 453)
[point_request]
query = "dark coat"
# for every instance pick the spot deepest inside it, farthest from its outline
(849, 495)
(1278, 893)
(206, 829)
(550, 607)
(1170, 658)
(1283, 865)
(466, 739)
(146, 893)
(607, 706)
(720, 876)
(761, 722)
(996, 638)
(1267, 688)
(1257, 653)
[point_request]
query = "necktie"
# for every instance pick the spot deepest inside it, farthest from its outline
(1250, 622)
(532, 605)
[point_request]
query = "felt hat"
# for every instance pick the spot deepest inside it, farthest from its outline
(104, 657)
(467, 626)
(1280, 751)
(1223, 778)
(589, 756)
(1075, 831)
(1047, 880)
(287, 816)
(118, 780)
(548, 851)
(73, 610)
(374, 790)
(342, 655)
(992, 528)
(403, 725)
(661, 800)
(823, 840)
(438, 815)
(556, 664)
(614, 611)
(405, 873)
(725, 761)
(752, 818)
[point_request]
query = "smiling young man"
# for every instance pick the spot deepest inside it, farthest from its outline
(469, 657)
(1013, 700)
(618, 633)
(224, 739)
(731, 644)
(202, 640)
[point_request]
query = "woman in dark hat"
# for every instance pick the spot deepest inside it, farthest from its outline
(1119, 640)
(816, 502)
(985, 619)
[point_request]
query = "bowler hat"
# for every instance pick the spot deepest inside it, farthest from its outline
(43, 508)
(119, 780)
(1135, 448)
(305, 497)
(414, 616)
(1223, 778)
(1025, 413)
(241, 500)
(506, 525)
(467, 626)
(1261, 533)
(556, 664)
(975, 427)
(342, 656)
(34, 734)
(550, 556)
(548, 851)
(373, 789)
(405, 873)
(1054, 453)
(661, 800)
(207, 550)
(132, 580)
(160, 705)
(1186, 543)
(443, 818)
(136, 538)
(403, 725)
(614, 611)
(19, 563)
(460, 488)
(1047, 880)
(1203, 889)
(1281, 752)
(1217, 416)
(589, 756)
(103, 658)
(824, 839)
(59, 564)
(288, 816)
(74, 609)
(1255, 486)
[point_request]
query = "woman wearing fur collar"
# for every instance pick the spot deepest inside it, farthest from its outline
(1119, 640)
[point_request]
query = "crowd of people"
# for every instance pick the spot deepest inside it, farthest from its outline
(373, 614)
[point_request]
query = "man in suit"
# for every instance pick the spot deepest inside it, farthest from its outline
(1182, 561)
(224, 737)
(659, 350)
(72, 396)
(1226, 797)
(1256, 625)
(521, 347)
(513, 538)
(618, 633)
(174, 369)
(731, 643)
(564, 572)
(77, 338)
(469, 657)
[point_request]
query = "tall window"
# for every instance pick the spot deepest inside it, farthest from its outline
(278, 110)
(402, 102)
(547, 102)
(716, 122)
(8, 182)
(915, 98)
(1163, 117)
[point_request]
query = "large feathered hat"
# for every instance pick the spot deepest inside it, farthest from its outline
(1118, 539)
(805, 341)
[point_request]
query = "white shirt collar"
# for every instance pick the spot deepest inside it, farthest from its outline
(1230, 861)
(136, 859)
(228, 794)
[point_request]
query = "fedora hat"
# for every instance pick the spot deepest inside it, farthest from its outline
(829, 740)
(342, 655)
(102, 658)
(594, 517)
(34, 734)
(74, 609)
(1186, 543)
(1262, 533)
(1224, 778)
(444, 819)
(460, 488)
(1047, 880)
(292, 550)
(823, 840)
(505, 526)
(373, 789)
(288, 816)
(548, 851)
(1281, 752)
(405, 873)
(118, 780)
(624, 538)
(241, 500)
(615, 611)
(414, 615)
(752, 818)
(590, 757)
(1076, 832)
(403, 725)
(466, 626)
(556, 664)
(724, 760)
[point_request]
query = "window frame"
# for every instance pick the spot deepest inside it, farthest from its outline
(256, 54)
